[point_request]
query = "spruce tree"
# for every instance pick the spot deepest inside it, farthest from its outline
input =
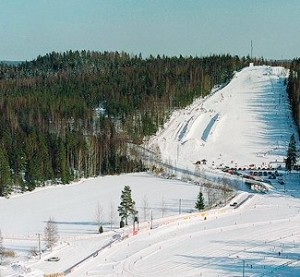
(63, 164)
(4, 173)
(127, 205)
(31, 172)
(291, 154)
(200, 202)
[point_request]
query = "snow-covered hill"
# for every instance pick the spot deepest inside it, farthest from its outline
(248, 122)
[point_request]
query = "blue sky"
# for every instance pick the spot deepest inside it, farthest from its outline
(29, 28)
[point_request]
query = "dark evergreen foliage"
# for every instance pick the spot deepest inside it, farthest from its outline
(200, 202)
(293, 89)
(4, 173)
(291, 154)
(70, 115)
(127, 205)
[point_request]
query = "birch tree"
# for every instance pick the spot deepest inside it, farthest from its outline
(99, 215)
(50, 233)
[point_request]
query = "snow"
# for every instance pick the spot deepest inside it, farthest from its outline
(73, 208)
(246, 122)
(238, 125)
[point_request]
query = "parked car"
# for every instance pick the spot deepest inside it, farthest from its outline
(53, 259)
(233, 204)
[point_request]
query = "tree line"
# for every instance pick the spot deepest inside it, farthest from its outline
(294, 90)
(70, 115)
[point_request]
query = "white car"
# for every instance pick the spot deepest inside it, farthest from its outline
(53, 259)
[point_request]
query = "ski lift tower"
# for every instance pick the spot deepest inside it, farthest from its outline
(251, 51)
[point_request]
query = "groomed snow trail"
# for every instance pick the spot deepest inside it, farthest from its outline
(252, 236)
(247, 122)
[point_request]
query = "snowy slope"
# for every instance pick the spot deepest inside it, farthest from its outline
(247, 122)
(238, 125)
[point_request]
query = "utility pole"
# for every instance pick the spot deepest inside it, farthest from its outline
(133, 227)
(251, 50)
(151, 218)
(39, 238)
(180, 206)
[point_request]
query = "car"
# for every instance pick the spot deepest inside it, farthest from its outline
(53, 259)
(233, 204)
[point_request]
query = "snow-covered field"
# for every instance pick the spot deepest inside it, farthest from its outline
(238, 125)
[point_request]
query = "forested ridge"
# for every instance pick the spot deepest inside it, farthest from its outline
(70, 115)
(294, 89)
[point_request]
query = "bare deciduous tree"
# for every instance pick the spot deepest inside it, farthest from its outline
(99, 215)
(163, 207)
(145, 207)
(112, 214)
(51, 233)
(1, 247)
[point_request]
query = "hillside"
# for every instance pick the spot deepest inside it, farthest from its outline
(259, 236)
(66, 116)
(246, 123)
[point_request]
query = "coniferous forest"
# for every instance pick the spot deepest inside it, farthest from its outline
(65, 116)
(294, 90)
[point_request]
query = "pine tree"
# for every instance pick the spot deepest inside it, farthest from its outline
(291, 154)
(63, 164)
(127, 205)
(200, 202)
(51, 233)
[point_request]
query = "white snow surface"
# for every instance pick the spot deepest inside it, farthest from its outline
(238, 125)
(248, 122)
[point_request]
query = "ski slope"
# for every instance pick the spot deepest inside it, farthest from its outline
(238, 125)
(248, 122)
